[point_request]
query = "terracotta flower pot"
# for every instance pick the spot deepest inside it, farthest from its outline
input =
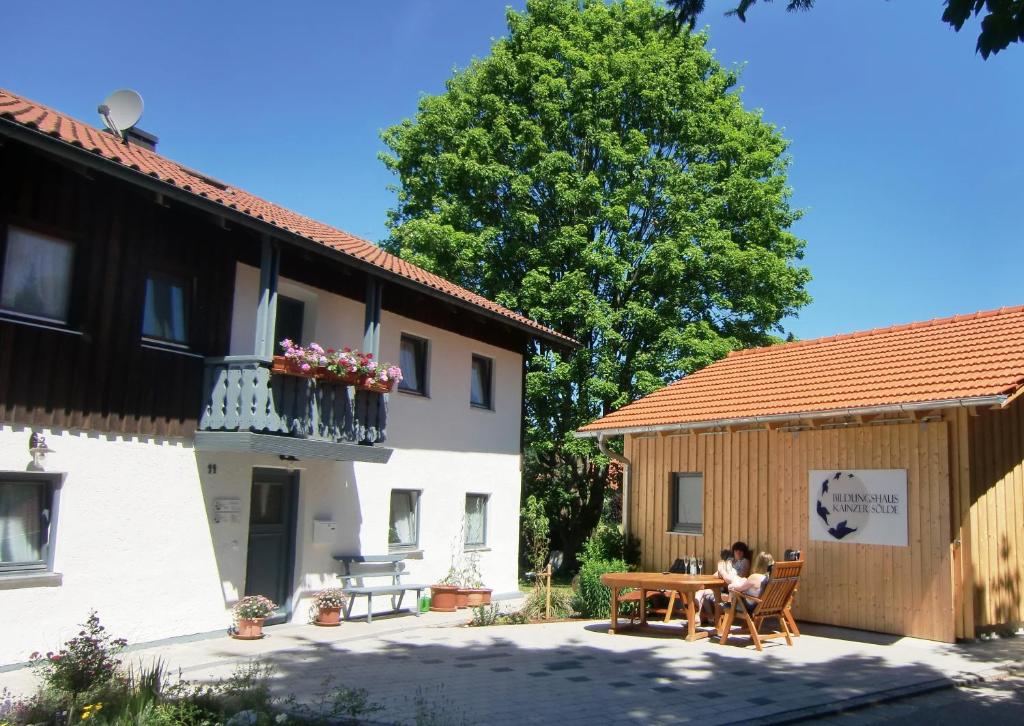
(329, 616)
(444, 598)
(462, 597)
(477, 596)
(249, 628)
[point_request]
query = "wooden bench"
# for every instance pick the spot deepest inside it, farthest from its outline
(373, 567)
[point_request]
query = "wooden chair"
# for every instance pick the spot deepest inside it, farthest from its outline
(774, 602)
(673, 606)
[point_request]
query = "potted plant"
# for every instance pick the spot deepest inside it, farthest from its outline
(328, 605)
(444, 596)
(472, 584)
(250, 612)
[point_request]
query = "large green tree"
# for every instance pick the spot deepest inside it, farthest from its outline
(599, 173)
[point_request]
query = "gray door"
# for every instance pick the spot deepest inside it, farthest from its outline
(272, 519)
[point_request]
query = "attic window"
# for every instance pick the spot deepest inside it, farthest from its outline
(205, 179)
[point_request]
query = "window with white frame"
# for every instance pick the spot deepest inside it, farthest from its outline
(412, 359)
(26, 512)
(687, 514)
(404, 524)
(165, 314)
(476, 520)
(36, 275)
(480, 387)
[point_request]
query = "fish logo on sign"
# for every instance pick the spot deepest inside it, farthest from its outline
(847, 487)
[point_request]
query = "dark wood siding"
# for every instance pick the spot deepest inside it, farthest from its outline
(98, 375)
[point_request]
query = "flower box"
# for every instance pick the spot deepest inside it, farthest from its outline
(346, 366)
(288, 367)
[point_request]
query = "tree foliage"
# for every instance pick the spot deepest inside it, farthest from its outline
(599, 174)
(1002, 24)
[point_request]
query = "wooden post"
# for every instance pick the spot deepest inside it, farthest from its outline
(266, 310)
(371, 331)
(547, 607)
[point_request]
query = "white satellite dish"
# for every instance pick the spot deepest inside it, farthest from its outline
(121, 110)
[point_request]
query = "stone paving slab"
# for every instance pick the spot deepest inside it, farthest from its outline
(575, 672)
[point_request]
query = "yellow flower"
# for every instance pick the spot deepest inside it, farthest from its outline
(90, 710)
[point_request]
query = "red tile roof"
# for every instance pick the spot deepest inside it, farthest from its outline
(75, 133)
(973, 356)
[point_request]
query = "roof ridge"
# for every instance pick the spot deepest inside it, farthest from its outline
(77, 133)
(881, 331)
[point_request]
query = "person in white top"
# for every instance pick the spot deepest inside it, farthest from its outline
(754, 583)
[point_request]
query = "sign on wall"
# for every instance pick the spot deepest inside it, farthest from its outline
(859, 506)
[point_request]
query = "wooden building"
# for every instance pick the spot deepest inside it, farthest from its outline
(927, 419)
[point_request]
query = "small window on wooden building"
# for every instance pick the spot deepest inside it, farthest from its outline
(480, 387)
(288, 323)
(412, 359)
(37, 275)
(165, 315)
(476, 520)
(403, 531)
(26, 507)
(687, 515)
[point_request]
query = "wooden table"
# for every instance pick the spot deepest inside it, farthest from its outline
(685, 585)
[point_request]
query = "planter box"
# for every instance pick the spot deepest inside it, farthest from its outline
(288, 367)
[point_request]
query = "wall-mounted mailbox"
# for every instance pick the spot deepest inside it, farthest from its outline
(226, 509)
(324, 531)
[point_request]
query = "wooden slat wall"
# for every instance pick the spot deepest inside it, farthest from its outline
(755, 489)
(996, 515)
(104, 379)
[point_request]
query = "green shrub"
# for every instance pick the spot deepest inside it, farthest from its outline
(607, 542)
(86, 662)
(592, 599)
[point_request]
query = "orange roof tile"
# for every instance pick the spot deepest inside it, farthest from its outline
(963, 357)
(75, 133)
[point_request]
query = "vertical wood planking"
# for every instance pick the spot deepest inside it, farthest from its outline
(756, 487)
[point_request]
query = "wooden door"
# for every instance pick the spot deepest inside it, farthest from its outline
(270, 562)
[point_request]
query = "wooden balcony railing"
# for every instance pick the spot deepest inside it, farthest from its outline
(242, 394)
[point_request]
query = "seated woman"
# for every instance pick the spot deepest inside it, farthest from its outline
(754, 583)
(734, 565)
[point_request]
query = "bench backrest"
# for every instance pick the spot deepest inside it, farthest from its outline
(779, 589)
(363, 568)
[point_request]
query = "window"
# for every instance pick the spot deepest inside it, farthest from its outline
(412, 359)
(687, 504)
(165, 316)
(480, 384)
(476, 520)
(37, 275)
(288, 323)
(26, 505)
(405, 519)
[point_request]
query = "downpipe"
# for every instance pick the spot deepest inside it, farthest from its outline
(627, 465)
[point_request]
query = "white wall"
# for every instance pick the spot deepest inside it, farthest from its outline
(135, 537)
(131, 541)
(443, 446)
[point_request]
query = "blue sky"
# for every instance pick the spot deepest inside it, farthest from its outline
(907, 148)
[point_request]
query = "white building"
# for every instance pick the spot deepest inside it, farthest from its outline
(139, 305)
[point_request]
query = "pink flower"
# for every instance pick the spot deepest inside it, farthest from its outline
(306, 367)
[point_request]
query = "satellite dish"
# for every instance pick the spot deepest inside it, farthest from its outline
(121, 110)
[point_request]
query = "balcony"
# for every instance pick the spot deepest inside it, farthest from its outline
(249, 408)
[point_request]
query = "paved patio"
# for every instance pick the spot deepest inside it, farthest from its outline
(576, 673)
